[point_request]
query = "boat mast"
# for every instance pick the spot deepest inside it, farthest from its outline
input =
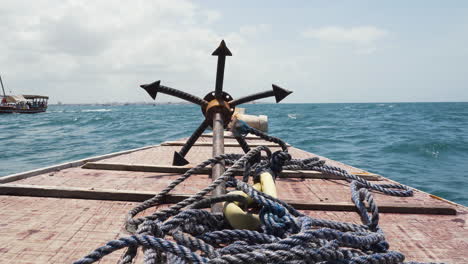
(3, 88)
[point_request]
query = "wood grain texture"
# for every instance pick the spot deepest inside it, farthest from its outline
(227, 144)
(52, 230)
(27, 174)
(38, 229)
(139, 196)
(207, 170)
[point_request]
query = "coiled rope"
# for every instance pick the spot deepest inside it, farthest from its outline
(186, 233)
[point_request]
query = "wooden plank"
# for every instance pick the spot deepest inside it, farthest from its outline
(134, 196)
(226, 144)
(303, 174)
(383, 208)
(430, 195)
(142, 167)
(230, 136)
(72, 164)
(73, 192)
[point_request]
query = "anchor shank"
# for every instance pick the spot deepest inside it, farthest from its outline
(251, 98)
(244, 145)
(278, 92)
(222, 51)
(220, 76)
(188, 145)
(154, 88)
(218, 149)
(182, 95)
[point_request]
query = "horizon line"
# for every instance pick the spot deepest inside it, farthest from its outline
(187, 103)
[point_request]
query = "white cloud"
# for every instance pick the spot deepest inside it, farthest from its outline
(100, 51)
(71, 49)
(363, 38)
(211, 16)
(252, 30)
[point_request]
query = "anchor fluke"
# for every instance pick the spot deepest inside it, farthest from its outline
(280, 93)
(218, 108)
(222, 50)
(179, 160)
(152, 88)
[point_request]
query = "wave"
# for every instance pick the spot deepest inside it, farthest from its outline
(416, 144)
(96, 110)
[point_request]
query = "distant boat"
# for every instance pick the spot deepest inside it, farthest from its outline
(24, 104)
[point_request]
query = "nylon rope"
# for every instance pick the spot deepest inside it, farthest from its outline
(188, 233)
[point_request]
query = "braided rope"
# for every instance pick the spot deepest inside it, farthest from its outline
(194, 235)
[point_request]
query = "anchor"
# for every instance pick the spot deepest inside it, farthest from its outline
(218, 108)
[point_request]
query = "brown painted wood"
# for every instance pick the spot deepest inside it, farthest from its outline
(134, 196)
(72, 164)
(32, 173)
(73, 192)
(60, 230)
(383, 208)
(207, 170)
(230, 136)
(54, 230)
(227, 144)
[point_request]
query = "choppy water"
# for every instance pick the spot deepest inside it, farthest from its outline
(424, 145)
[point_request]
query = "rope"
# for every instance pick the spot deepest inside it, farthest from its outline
(186, 233)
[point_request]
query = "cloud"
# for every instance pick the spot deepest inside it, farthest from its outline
(363, 38)
(72, 49)
(70, 36)
(211, 16)
(252, 30)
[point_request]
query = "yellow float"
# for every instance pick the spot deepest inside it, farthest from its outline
(240, 219)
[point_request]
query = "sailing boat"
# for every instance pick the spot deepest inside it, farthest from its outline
(24, 104)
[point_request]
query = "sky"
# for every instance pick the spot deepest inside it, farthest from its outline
(325, 51)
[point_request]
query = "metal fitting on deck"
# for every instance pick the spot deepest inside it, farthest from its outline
(218, 105)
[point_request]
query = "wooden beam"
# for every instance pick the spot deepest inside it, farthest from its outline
(396, 208)
(226, 144)
(138, 196)
(229, 135)
(73, 192)
(303, 174)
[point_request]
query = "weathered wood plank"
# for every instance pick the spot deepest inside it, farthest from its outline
(182, 169)
(226, 144)
(76, 163)
(230, 136)
(73, 192)
(134, 196)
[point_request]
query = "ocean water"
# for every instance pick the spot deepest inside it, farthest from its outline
(423, 145)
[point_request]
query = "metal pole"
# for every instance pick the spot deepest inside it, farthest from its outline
(218, 149)
(218, 123)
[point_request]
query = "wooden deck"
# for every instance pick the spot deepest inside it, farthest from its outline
(58, 215)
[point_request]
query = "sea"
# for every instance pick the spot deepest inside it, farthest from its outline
(423, 145)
